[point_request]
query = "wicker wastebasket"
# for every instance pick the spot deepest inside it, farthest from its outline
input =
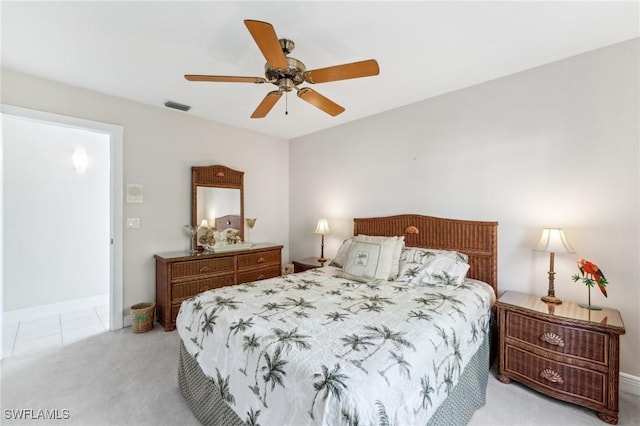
(142, 317)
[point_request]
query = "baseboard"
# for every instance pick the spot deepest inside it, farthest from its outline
(629, 383)
(36, 312)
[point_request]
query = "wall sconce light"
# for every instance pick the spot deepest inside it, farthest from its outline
(322, 228)
(80, 160)
(553, 241)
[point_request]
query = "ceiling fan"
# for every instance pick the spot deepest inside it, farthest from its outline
(288, 73)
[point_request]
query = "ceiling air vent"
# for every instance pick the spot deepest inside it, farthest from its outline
(175, 105)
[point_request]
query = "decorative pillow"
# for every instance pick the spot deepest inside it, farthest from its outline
(413, 259)
(397, 246)
(411, 263)
(343, 252)
(443, 271)
(368, 261)
(460, 257)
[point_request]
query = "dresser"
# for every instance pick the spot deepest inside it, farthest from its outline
(180, 275)
(563, 351)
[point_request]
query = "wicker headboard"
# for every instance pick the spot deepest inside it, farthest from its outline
(479, 240)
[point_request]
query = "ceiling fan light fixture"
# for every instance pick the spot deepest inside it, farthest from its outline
(287, 45)
(286, 84)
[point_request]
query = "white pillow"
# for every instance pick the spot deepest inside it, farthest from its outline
(397, 246)
(343, 252)
(368, 261)
(443, 271)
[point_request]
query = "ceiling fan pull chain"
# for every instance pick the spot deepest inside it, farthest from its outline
(286, 103)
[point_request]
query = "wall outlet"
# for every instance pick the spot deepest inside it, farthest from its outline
(133, 222)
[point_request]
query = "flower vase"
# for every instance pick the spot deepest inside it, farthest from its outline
(251, 222)
(191, 231)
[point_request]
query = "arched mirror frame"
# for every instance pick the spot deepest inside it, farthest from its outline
(215, 176)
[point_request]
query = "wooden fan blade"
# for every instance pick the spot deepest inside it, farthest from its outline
(265, 37)
(267, 103)
(343, 72)
(319, 101)
(224, 78)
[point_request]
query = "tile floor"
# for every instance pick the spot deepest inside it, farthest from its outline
(38, 334)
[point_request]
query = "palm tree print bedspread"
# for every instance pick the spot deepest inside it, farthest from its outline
(315, 348)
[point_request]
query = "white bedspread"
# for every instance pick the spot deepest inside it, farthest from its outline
(314, 348)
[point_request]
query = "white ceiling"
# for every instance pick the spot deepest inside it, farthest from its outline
(141, 50)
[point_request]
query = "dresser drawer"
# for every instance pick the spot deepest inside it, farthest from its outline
(184, 290)
(562, 339)
(194, 268)
(259, 274)
(561, 379)
(175, 309)
(246, 261)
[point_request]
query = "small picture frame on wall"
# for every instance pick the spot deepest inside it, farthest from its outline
(135, 193)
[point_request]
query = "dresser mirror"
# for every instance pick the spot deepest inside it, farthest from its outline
(217, 205)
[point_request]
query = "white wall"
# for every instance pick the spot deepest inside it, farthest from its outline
(553, 146)
(160, 146)
(56, 253)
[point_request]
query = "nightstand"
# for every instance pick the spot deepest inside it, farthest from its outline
(563, 351)
(308, 263)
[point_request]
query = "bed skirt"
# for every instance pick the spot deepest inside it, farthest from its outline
(207, 405)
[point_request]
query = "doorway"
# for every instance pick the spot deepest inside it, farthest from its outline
(62, 216)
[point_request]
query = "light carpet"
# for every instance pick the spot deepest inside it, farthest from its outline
(124, 378)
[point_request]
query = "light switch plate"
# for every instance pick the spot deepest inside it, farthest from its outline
(133, 222)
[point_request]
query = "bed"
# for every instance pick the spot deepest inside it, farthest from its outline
(337, 345)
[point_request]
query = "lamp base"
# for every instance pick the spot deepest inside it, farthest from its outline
(322, 259)
(552, 299)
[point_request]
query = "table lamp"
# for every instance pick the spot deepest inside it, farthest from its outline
(553, 241)
(322, 228)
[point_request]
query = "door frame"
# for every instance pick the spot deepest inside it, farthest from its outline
(115, 133)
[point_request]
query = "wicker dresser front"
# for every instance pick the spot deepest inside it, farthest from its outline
(180, 276)
(564, 351)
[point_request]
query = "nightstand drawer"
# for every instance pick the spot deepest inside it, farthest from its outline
(558, 378)
(258, 259)
(567, 340)
(194, 268)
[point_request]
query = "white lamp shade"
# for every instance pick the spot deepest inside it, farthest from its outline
(554, 241)
(322, 227)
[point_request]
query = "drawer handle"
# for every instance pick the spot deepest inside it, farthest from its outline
(552, 339)
(551, 375)
(261, 260)
(204, 269)
(261, 277)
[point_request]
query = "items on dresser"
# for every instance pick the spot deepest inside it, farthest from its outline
(563, 351)
(180, 275)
